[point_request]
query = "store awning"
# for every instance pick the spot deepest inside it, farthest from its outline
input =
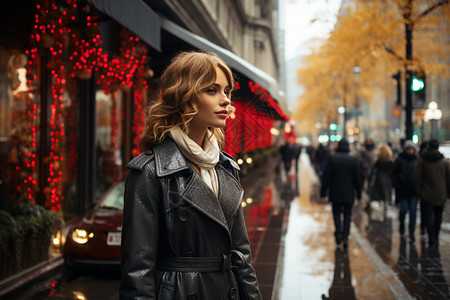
(235, 62)
(135, 15)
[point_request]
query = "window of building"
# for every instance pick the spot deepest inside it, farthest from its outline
(108, 140)
(38, 159)
(19, 131)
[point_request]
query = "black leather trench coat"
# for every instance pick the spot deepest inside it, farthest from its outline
(171, 213)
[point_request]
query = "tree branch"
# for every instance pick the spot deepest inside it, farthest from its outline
(430, 9)
(390, 51)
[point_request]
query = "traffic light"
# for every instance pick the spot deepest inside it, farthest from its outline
(418, 88)
(417, 84)
(397, 76)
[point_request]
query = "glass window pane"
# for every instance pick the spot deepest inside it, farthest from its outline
(108, 140)
(19, 130)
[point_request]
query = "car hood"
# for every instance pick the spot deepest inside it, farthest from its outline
(102, 219)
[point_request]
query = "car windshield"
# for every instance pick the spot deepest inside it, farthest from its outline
(114, 197)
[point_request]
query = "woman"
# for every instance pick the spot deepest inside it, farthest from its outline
(184, 235)
(380, 176)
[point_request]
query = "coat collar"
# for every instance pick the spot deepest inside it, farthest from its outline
(169, 160)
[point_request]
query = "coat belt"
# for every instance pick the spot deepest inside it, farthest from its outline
(234, 260)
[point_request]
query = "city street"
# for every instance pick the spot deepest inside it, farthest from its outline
(90, 86)
(295, 255)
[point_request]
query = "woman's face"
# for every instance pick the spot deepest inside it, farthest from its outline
(212, 105)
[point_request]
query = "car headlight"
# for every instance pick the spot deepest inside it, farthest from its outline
(81, 236)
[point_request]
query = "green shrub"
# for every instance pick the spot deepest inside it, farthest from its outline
(9, 235)
(27, 224)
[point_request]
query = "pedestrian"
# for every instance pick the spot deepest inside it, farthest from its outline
(321, 159)
(423, 226)
(297, 151)
(287, 155)
(183, 234)
(432, 183)
(380, 187)
(403, 182)
(341, 181)
(311, 151)
(296, 155)
(366, 159)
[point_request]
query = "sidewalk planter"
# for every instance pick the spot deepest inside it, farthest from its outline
(25, 237)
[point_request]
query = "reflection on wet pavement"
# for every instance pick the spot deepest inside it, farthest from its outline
(341, 288)
(309, 270)
(419, 267)
(256, 218)
(431, 272)
(104, 286)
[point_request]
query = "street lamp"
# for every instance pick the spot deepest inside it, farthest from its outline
(356, 73)
(341, 111)
(433, 114)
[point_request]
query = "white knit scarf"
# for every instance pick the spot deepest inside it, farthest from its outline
(205, 158)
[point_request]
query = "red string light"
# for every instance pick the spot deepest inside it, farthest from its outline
(75, 55)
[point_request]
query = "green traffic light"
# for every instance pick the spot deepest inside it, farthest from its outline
(333, 126)
(417, 84)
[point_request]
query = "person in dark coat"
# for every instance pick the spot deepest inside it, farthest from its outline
(321, 158)
(380, 178)
(403, 182)
(287, 154)
(341, 181)
(366, 159)
(432, 183)
(423, 226)
(296, 155)
(184, 234)
(311, 151)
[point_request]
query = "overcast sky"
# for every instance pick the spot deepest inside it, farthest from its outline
(296, 19)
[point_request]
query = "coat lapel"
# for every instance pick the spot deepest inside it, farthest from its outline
(168, 158)
(230, 192)
(222, 209)
(199, 195)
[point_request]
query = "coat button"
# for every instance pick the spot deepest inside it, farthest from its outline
(232, 293)
(183, 215)
(192, 297)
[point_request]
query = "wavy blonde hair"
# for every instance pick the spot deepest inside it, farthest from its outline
(384, 152)
(188, 74)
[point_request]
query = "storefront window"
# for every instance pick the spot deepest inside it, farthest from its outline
(65, 156)
(36, 166)
(19, 131)
(108, 140)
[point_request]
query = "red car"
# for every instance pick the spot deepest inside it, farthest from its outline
(94, 242)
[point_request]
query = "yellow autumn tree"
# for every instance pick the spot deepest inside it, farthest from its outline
(371, 35)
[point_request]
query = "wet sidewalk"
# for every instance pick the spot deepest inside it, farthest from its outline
(295, 254)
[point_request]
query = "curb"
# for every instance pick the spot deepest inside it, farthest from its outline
(30, 275)
(389, 277)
